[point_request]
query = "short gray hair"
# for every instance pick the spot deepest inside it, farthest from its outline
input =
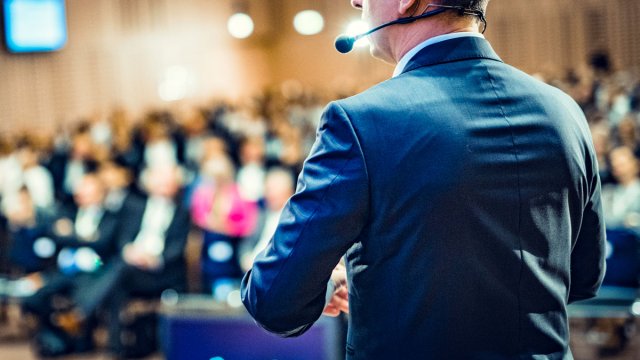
(480, 5)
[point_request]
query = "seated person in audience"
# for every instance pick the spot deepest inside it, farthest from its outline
(160, 145)
(85, 238)
(68, 166)
(194, 128)
(118, 180)
(30, 175)
(152, 240)
(251, 173)
(621, 201)
(279, 187)
(125, 144)
(30, 249)
(225, 217)
(291, 152)
(601, 135)
(217, 129)
(627, 134)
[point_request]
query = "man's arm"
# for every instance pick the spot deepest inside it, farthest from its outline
(588, 256)
(285, 290)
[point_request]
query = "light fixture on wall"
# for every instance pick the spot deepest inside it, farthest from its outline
(308, 22)
(240, 24)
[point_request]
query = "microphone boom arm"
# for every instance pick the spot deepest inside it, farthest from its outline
(344, 43)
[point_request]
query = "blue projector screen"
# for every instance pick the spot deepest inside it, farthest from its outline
(35, 25)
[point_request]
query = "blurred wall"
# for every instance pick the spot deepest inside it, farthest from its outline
(549, 36)
(313, 60)
(120, 53)
(556, 35)
(123, 52)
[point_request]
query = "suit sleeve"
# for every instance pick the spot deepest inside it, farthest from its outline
(588, 256)
(105, 246)
(285, 290)
(130, 220)
(102, 245)
(70, 240)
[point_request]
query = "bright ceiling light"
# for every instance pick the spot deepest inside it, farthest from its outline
(308, 22)
(358, 27)
(240, 25)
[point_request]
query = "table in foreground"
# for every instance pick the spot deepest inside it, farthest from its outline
(197, 327)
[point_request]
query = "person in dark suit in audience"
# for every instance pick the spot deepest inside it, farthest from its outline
(30, 249)
(464, 193)
(120, 190)
(152, 240)
(85, 239)
(67, 166)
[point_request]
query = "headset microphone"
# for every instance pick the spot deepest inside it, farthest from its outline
(344, 43)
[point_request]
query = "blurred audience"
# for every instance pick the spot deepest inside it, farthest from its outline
(85, 239)
(222, 172)
(152, 236)
(621, 201)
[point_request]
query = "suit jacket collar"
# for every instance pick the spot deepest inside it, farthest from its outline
(465, 48)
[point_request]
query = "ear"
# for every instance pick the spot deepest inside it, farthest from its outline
(408, 7)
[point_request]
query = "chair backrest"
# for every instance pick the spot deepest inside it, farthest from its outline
(623, 258)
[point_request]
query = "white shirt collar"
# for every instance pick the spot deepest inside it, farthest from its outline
(434, 40)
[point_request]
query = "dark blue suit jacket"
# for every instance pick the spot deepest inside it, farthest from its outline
(466, 197)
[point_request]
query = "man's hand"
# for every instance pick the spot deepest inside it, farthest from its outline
(135, 257)
(340, 299)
